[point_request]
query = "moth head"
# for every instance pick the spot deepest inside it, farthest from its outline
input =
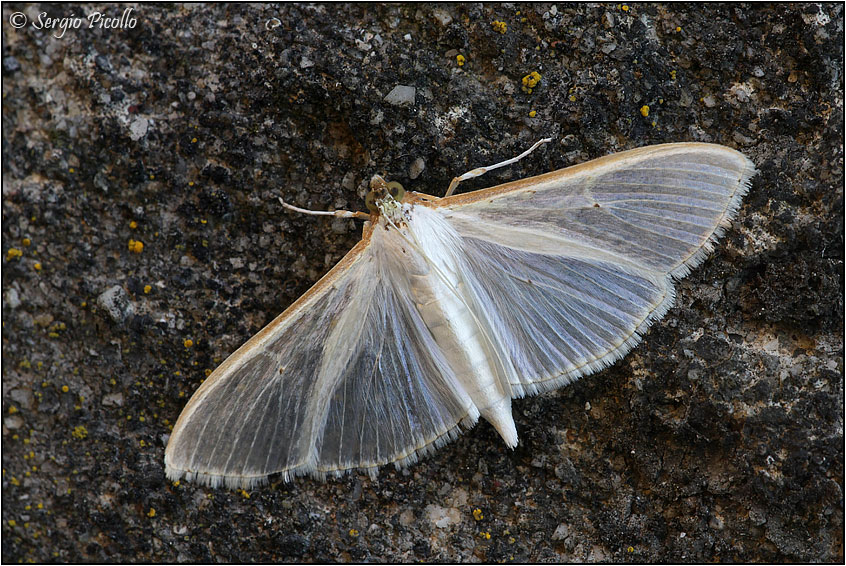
(380, 192)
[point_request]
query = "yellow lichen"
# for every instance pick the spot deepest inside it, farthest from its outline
(353, 533)
(644, 110)
(530, 81)
(133, 225)
(13, 253)
(80, 432)
(460, 60)
(477, 514)
(147, 289)
(188, 343)
(135, 246)
(499, 26)
(26, 242)
(533, 113)
(151, 513)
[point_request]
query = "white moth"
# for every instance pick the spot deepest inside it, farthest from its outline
(450, 307)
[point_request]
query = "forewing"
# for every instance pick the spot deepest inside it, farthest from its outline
(657, 208)
(344, 379)
(572, 266)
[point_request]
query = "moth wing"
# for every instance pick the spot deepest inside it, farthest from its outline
(569, 268)
(346, 378)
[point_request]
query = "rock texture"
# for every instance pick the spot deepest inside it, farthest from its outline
(142, 242)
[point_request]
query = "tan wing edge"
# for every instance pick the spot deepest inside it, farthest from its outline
(614, 160)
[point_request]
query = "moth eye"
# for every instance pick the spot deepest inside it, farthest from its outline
(370, 202)
(396, 190)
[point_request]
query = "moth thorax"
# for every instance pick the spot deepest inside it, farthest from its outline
(386, 199)
(391, 210)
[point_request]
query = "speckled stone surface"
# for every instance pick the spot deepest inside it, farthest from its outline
(719, 438)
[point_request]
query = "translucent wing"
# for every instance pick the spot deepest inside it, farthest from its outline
(347, 378)
(569, 268)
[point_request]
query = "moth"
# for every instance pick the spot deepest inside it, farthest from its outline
(450, 307)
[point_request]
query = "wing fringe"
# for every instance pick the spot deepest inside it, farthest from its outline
(248, 482)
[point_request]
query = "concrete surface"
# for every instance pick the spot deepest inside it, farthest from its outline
(720, 438)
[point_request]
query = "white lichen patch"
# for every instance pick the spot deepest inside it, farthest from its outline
(442, 517)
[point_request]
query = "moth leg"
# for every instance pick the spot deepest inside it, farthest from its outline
(482, 170)
(338, 213)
